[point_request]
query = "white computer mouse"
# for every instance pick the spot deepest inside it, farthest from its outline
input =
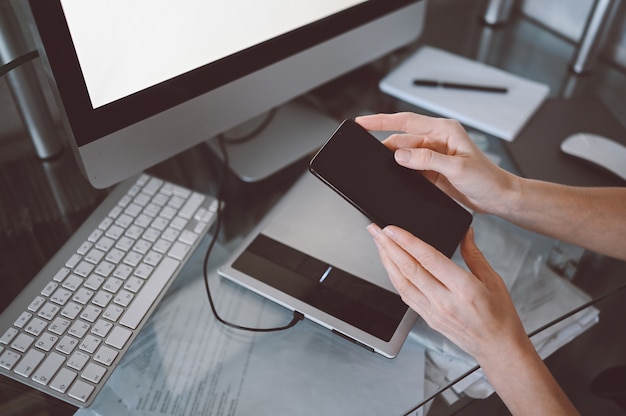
(604, 152)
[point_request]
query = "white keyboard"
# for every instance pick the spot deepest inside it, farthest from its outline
(68, 329)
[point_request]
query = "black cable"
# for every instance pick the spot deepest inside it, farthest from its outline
(20, 60)
(297, 316)
(530, 335)
(258, 129)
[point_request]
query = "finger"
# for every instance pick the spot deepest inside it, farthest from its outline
(410, 293)
(409, 266)
(475, 260)
(445, 271)
(427, 159)
(405, 122)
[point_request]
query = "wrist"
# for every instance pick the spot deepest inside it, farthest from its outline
(511, 197)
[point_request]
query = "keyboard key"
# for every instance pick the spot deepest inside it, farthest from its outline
(61, 274)
(113, 284)
(95, 235)
(124, 243)
(162, 246)
(79, 329)
(22, 320)
(83, 269)
(171, 234)
(91, 313)
(102, 299)
(36, 303)
(63, 380)
(115, 256)
(102, 328)
(133, 284)
(73, 282)
(48, 311)
(142, 246)
(188, 237)
(114, 232)
(93, 372)
(46, 341)
(78, 360)
(90, 343)
(153, 258)
(192, 204)
(71, 310)
(8, 359)
(133, 259)
(59, 325)
(152, 186)
(105, 355)
(179, 250)
(22, 342)
(105, 268)
(143, 270)
(94, 256)
(83, 295)
(123, 298)
(113, 312)
(49, 289)
(60, 296)
(105, 244)
(48, 368)
(94, 282)
(67, 344)
(149, 293)
(118, 338)
(35, 326)
(9, 335)
(84, 248)
(81, 391)
(29, 362)
(73, 261)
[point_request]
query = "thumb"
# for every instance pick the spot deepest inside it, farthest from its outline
(425, 159)
(474, 258)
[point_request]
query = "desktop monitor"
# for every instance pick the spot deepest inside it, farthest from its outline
(139, 82)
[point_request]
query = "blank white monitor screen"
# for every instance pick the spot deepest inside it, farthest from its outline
(174, 37)
(141, 80)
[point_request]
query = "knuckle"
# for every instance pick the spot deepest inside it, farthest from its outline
(423, 157)
(408, 269)
(428, 261)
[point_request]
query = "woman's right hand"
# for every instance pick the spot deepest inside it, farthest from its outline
(448, 157)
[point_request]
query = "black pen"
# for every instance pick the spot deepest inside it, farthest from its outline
(458, 86)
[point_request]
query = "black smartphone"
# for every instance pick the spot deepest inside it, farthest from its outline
(363, 171)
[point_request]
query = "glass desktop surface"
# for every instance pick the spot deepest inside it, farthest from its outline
(43, 203)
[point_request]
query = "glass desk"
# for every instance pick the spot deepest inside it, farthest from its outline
(42, 203)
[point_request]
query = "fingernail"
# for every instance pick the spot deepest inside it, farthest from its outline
(402, 155)
(373, 230)
(389, 232)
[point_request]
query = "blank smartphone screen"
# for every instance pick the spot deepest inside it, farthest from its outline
(362, 170)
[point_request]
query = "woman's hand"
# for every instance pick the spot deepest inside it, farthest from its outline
(443, 150)
(472, 309)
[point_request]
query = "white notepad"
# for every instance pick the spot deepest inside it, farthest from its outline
(502, 115)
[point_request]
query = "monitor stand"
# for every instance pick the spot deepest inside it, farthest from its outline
(296, 130)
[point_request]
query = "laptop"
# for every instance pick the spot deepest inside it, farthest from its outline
(313, 254)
